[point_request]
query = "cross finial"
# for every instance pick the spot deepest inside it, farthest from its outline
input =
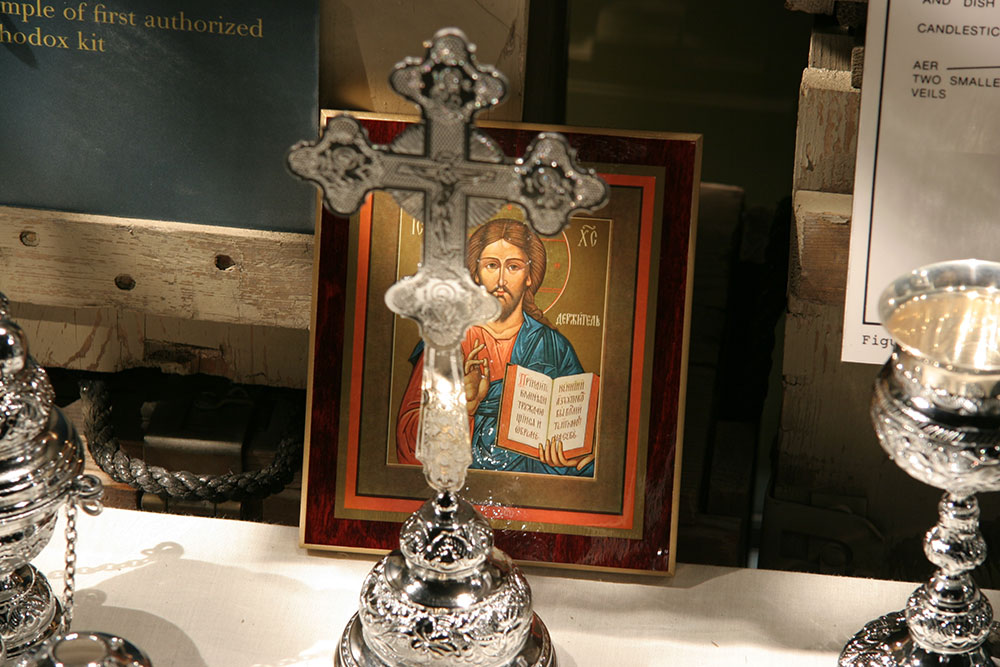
(449, 82)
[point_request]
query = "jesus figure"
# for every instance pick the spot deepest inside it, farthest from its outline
(508, 259)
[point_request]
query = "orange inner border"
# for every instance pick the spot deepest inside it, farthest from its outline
(622, 521)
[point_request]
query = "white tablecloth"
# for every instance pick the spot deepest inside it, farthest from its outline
(196, 592)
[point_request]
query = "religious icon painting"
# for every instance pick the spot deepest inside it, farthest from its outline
(575, 391)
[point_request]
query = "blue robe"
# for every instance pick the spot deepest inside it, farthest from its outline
(541, 349)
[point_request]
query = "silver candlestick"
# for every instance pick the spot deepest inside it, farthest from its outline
(446, 596)
(41, 469)
(936, 411)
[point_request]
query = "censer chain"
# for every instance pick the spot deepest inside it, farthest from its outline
(86, 493)
(69, 587)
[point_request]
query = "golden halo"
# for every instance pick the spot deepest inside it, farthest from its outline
(511, 212)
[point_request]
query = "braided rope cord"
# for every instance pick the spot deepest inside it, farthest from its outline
(183, 485)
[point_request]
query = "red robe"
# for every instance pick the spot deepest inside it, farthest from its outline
(498, 352)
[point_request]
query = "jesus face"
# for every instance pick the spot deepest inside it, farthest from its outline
(503, 271)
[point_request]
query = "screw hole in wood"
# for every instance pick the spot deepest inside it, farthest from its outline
(29, 239)
(224, 262)
(125, 282)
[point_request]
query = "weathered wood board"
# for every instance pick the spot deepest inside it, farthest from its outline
(197, 272)
(110, 339)
(827, 136)
(818, 270)
(104, 294)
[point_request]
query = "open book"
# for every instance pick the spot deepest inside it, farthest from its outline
(535, 408)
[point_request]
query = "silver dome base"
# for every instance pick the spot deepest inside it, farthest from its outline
(352, 652)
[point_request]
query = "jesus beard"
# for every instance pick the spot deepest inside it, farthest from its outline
(507, 303)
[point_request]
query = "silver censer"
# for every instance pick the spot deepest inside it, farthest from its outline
(446, 596)
(936, 411)
(41, 466)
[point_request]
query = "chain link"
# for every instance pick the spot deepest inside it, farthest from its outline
(69, 589)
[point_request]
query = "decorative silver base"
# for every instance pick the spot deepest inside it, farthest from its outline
(445, 597)
(353, 652)
(90, 648)
(29, 612)
(886, 642)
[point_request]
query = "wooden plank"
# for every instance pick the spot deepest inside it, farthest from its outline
(857, 66)
(828, 445)
(830, 48)
(277, 356)
(826, 436)
(109, 339)
(827, 442)
(83, 339)
(177, 270)
(818, 267)
(826, 141)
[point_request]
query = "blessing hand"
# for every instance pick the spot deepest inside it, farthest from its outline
(477, 377)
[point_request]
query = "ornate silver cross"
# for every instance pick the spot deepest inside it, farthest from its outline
(447, 173)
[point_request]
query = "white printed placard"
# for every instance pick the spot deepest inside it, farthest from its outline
(927, 181)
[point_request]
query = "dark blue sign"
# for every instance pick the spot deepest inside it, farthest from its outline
(162, 109)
